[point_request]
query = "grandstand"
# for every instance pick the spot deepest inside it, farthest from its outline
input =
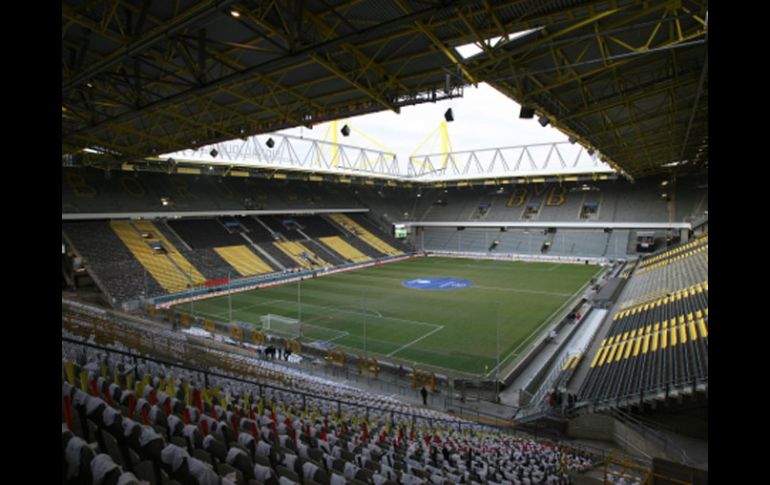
(245, 306)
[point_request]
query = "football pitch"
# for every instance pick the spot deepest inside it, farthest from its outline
(442, 313)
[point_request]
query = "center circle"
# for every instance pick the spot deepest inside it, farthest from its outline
(437, 283)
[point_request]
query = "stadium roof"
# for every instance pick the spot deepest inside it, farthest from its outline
(144, 78)
(630, 80)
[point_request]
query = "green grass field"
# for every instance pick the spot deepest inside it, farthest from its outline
(453, 331)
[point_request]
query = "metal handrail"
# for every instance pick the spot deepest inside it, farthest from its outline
(649, 430)
(206, 373)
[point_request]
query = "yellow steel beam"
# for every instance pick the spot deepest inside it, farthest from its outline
(365, 61)
(481, 39)
(374, 41)
(213, 53)
(438, 43)
(371, 139)
(645, 93)
(492, 15)
(329, 65)
(146, 40)
(546, 39)
(235, 113)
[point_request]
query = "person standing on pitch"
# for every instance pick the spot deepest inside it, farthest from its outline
(424, 394)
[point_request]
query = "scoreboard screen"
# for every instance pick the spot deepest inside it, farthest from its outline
(400, 231)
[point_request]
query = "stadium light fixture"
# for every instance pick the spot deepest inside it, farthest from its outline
(448, 115)
(213, 153)
(270, 143)
(572, 139)
(235, 13)
(591, 152)
(345, 130)
(526, 112)
(543, 120)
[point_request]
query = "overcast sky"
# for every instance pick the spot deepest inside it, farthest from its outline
(483, 118)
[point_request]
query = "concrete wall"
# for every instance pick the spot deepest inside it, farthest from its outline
(607, 428)
(592, 427)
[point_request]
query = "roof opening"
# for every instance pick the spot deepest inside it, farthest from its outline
(467, 51)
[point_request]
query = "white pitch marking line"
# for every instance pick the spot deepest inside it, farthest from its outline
(344, 334)
(547, 320)
(237, 309)
(415, 341)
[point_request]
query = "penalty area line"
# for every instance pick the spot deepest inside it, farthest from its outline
(441, 327)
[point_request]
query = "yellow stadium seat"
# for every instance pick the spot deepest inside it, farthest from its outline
(295, 251)
(664, 335)
(607, 349)
(171, 270)
(629, 345)
(598, 352)
(596, 358)
(704, 333)
(638, 344)
(243, 260)
(343, 248)
(366, 236)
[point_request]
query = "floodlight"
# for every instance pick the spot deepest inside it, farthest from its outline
(526, 112)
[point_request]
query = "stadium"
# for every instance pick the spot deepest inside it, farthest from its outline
(257, 289)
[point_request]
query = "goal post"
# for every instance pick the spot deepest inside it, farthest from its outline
(281, 326)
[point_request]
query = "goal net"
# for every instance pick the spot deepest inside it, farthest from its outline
(280, 325)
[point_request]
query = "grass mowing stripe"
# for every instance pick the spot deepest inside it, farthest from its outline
(536, 332)
(399, 319)
(520, 290)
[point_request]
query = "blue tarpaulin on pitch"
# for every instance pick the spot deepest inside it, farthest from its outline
(438, 283)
